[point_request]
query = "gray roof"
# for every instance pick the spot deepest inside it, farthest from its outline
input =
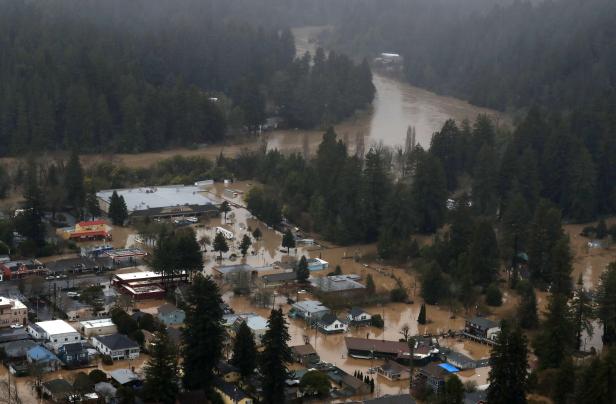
(123, 376)
(15, 349)
(328, 319)
(281, 277)
(58, 386)
(310, 306)
(336, 283)
(356, 311)
(158, 197)
(168, 308)
(399, 399)
(230, 390)
(117, 342)
(483, 322)
(458, 357)
(228, 269)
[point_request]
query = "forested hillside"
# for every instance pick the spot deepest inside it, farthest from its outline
(142, 75)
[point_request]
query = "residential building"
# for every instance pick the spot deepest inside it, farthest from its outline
(227, 372)
(389, 399)
(54, 333)
(168, 314)
(43, 357)
(317, 264)
(305, 354)
(341, 286)
(17, 350)
(12, 311)
(349, 384)
(357, 316)
(279, 279)
(394, 371)
(364, 348)
(235, 272)
(57, 390)
(118, 346)
(124, 377)
(101, 326)
(21, 269)
(330, 324)
(256, 323)
(482, 328)
(432, 376)
(309, 310)
(74, 355)
(459, 360)
(230, 393)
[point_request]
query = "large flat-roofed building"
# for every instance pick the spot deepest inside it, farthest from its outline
(164, 201)
(12, 311)
(145, 284)
(101, 326)
(54, 333)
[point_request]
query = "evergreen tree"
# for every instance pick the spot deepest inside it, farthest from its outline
(580, 196)
(288, 240)
(421, 319)
(429, 194)
(257, 234)
(73, 182)
(220, 244)
(545, 231)
(561, 267)
(303, 273)
(370, 286)
(274, 358)
(225, 208)
(485, 181)
(245, 245)
(432, 284)
(606, 304)
(91, 202)
(117, 209)
(453, 392)
(203, 333)
(557, 337)
(527, 310)
(444, 145)
(583, 313)
(483, 255)
(244, 351)
(161, 371)
(30, 223)
(601, 229)
(509, 373)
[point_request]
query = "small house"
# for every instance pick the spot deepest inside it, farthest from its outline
(118, 346)
(460, 361)
(56, 390)
(394, 371)
(228, 372)
(101, 326)
(317, 264)
(432, 377)
(168, 314)
(230, 393)
(257, 324)
(481, 328)
(279, 279)
(305, 354)
(348, 383)
(17, 350)
(74, 355)
(330, 324)
(124, 377)
(43, 357)
(309, 310)
(357, 316)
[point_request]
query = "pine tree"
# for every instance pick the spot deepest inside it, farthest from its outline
(527, 311)
(203, 333)
(244, 351)
(606, 304)
(561, 267)
(545, 231)
(432, 284)
(245, 245)
(224, 209)
(220, 244)
(509, 373)
(274, 358)
(429, 194)
(454, 391)
(557, 337)
(161, 371)
(583, 313)
(117, 209)
(601, 230)
(303, 273)
(485, 181)
(421, 319)
(483, 256)
(73, 182)
(370, 286)
(91, 202)
(30, 223)
(288, 240)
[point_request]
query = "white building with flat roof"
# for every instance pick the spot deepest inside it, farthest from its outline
(54, 333)
(12, 311)
(100, 326)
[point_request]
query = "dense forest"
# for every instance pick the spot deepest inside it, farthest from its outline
(110, 77)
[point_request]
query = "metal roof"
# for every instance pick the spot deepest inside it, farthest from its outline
(158, 197)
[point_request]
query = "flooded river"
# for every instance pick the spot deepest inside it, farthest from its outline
(397, 105)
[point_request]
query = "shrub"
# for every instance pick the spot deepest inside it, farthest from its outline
(398, 295)
(107, 360)
(377, 321)
(494, 297)
(97, 376)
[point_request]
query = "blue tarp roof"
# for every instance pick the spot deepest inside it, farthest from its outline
(449, 368)
(38, 353)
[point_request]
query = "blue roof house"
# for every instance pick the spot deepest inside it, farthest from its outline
(44, 357)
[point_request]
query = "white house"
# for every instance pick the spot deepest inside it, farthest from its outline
(102, 326)
(330, 324)
(359, 316)
(118, 346)
(54, 333)
(256, 323)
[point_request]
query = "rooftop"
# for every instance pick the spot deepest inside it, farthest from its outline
(337, 283)
(137, 276)
(14, 303)
(376, 345)
(53, 327)
(303, 350)
(117, 342)
(101, 322)
(123, 376)
(158, 197)
(310, 306)
(58, 386)
(167, 308)
(484, 323)
(227, 269)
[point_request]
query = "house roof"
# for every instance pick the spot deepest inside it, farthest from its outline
(433, 369)
(303, 350)
(101, 322)
(92, 223)
(224, 368)
(38, 353)
(310, 306)
(74, 347)
(398, 399)
(393, 366)
(230, 390)
(117, 342)
(53, 327)
(458, 357)
(328, 319)
(280, 277)
(15, 349)
(228, 269)
(168, 308)
(356, 311)
(58, 386)
(256, 323)
(483, 322)
(123, 376)
(337, 283)
(377, 345)
(449, 368)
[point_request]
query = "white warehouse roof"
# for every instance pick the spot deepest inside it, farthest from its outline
(53, 327)
(158, 197)
(102, 322)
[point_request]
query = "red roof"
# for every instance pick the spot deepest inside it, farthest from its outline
(92, 223)
(91, 233)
